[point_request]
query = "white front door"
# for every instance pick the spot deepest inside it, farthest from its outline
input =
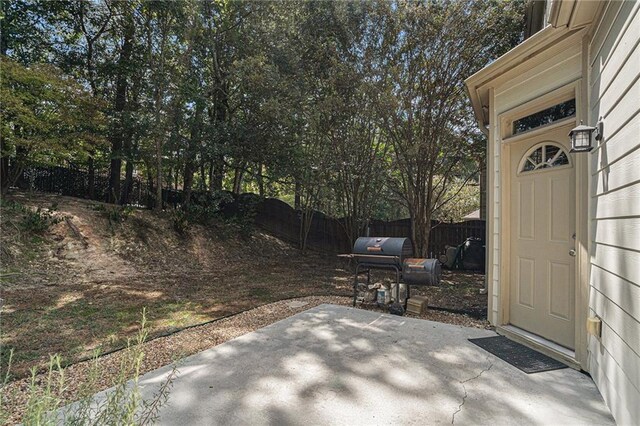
(542, 236)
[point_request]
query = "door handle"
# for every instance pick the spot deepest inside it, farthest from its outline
(572, 253)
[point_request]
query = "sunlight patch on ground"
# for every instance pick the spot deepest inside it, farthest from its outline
(68, 298)
(7, 309)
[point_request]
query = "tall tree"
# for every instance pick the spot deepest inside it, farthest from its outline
(30, 32)
(424, 58)
(119, 131)
(45, 118)
(92, 21)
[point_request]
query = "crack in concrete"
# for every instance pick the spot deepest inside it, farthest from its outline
(464, 397)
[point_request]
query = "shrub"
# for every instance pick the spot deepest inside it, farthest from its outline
(180, 221)
(244, 219)
(206, 207)
(37, 221)
(4, 416)
(115, 215)
(32, 221)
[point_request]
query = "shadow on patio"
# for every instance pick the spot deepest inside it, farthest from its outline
(337, 365)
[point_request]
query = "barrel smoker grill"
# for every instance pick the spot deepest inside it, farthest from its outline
(395, 254)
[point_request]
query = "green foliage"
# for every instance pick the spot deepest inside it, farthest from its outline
(208, 207)
(115, 215)
(356, 109)
(45, 116)
(426, 52)
(180, 221)
(242, 222)
(233, 226)
(44, 400)
(461, 199)
(38, 221)
(120, 405)
(5, 377)
(234, 217)
(32, 221)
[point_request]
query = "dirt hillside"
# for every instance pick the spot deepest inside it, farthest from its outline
(82, 284)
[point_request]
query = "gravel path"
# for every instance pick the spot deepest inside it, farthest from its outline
(165, 350)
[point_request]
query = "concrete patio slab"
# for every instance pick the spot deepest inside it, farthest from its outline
(344, 366)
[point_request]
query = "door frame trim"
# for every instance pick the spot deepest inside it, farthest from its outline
(581, 220)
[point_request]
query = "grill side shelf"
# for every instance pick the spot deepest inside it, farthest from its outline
(377, 258)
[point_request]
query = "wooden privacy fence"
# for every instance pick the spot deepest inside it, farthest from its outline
(281, 220)
(327, 234)
(442, 233)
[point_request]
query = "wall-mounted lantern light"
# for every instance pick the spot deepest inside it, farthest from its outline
(582, 137)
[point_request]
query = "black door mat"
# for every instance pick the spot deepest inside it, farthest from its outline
(520, 356)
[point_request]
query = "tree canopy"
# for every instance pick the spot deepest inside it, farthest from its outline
(356, 109)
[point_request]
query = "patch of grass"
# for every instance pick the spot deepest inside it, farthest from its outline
(37, 239)
(21, 356)
(122, 404)
(8, 275)
(263, 294)
(176, 315)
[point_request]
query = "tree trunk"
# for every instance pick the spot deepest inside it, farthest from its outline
(131, 144)
(151, 202)
(10, 177)
(260, 180)
(159, 133)
(114, 175)
(190, 154)
(420, 224)
(211, 189)
(159, 201)
(91, 179)
(4, 170)
(237, 179)
(217, 176)
(128, 183)
(4, 160)
(297, 200)
(176, 177)
(118, 135)
(218, 113)
(203, 177)
(189, 171)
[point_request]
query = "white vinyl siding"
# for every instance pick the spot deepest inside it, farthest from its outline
(614, 86)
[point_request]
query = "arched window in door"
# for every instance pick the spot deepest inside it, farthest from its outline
(544, 156)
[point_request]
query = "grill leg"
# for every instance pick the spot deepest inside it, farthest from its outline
(355, 285)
